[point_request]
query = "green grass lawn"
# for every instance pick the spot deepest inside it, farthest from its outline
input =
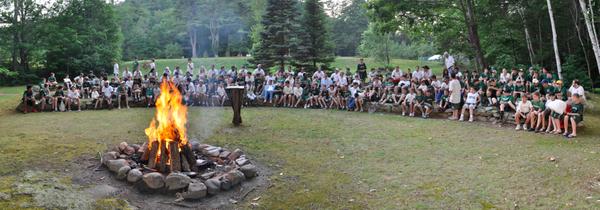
(325, 159)
(340, 62)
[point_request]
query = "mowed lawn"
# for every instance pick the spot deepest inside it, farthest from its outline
(324, 159)
(340, 62)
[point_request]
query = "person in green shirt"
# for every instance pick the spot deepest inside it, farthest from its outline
(573, 117)
(518, 88)
(59, 96)
(122, 94)
(419, 100)
(505, 100)
(537, 113)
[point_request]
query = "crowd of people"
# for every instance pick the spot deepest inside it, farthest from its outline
(415, 91)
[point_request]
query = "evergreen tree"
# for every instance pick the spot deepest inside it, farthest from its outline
(315, 46)
(277, 40)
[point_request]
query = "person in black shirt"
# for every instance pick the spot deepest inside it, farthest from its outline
(28, 100)
(361, 68)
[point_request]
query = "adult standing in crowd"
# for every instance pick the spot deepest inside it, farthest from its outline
(449, 63)
(116, 69)
(455, 94)
(361, 68)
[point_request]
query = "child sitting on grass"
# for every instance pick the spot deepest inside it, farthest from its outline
(573, 117)
(471, 101)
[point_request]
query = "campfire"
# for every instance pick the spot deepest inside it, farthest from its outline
(167, 148)
(169, 162)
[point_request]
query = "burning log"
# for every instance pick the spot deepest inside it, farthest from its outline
(164, 157)
(185, 166)
(152, 155)
(175, 156)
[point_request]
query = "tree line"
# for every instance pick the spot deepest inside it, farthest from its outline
(72, 36)
(559, 35)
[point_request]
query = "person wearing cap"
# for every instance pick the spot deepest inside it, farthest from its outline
(562, 90)
(533, 86)
(547, 88)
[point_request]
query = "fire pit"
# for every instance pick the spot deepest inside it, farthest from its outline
(169, 163)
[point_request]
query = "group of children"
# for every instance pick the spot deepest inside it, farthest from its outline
(417, 91)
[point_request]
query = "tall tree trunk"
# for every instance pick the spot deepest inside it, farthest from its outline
(469, 15)
(527, 36)
(193, 41)
(554, 40)
(575, 15)
(16, 41)
(591, 31)
(214, 35)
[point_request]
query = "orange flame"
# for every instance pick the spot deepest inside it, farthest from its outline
(169, 121)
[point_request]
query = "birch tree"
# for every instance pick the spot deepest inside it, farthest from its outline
(591, 30)
(554, 40)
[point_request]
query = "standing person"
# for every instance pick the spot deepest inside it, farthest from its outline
(361, 68)
(190, 67)
(455, 93)
(449, 63)
(136, 64)
(115, 69)
(152, 65)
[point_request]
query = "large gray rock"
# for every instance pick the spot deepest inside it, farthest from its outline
(112, 155)
(225, 183)
(213, 186)
(195, 190)
(134, 175)
(235, 177)
(122, 173)
(176, 181)
(235, 154)
(154, 180)
(249, 170)
(115, 165)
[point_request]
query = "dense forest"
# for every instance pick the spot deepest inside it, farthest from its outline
(71, 36)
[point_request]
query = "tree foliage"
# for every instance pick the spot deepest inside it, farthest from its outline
(315, 46)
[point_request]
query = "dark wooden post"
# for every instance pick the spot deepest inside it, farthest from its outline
(236, 96)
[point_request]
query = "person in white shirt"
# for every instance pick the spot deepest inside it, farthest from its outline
(73, 96)
(576, 88)
(297, 94)
(427, 72)
(418, 73)
(343, 81)
(115, 69)
(259, 72)
(319, 74)
(107, 92)
(397, 74)
(523, 108)
(190, 67)
(127, 74)
(449, 63)
(67, 81)
(471, 101)
(437, 87)
(408, 103)
(504, 77)
(455, 93)
(153, 65)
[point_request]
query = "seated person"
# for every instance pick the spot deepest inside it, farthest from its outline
(122, 94)
(73, 97)
(107, 92)
(52, 80)
(506, 102)
(59, 97)
(471, 100)
(523, 108)
(537, 113)
(28, 100)
(574, 116)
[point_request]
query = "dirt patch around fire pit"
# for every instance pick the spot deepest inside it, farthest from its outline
(101, 185)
